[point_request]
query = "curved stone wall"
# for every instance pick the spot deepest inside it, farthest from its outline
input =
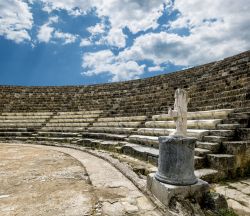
(217, 85)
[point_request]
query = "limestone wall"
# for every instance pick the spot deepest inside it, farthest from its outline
(222, 84)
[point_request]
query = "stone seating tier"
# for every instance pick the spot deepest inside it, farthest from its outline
(128, 117)
(218, 85)
(136, 135)
(22, 124)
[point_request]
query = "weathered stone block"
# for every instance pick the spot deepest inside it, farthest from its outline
(164, 192)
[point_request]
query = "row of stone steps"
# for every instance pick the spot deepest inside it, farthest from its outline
(148, 154)
(139, 141)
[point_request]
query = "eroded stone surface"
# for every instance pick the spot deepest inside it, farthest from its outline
(237, 195)
(179, 114)
(116, 193)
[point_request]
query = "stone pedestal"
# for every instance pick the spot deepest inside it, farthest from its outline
(164, 192)
(176, 160)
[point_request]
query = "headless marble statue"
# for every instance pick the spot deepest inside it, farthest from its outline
(179, 114)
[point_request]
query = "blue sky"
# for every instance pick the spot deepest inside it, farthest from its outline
(79, 42)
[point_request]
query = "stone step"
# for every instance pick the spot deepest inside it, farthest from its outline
(151, 154)
(13, 138)
(123, 119)
(141, 152)
(213, 147)
(191, 124)
(26, 113)
(223, 133)
(241, 121)
(151, 141)
(242, 115)
(227, 126)
(100, 144)
(4, 134)
(13, 129)
(242, 110)
(240, 148)
(64, 129)
(201, 152)
(243, 133)
(76, 116)
(19, 121)
(209, 175)
(57, 134)
(67, 124)
(54, 139)
(72, 120)
(116, 130)
(83, 112)
(20, 124)
(165, 132)
(221, 162)
(215, 139)
(117, 124)
(23, 117)
(210, 114)
(105, 136)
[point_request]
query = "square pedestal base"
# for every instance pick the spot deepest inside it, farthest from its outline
(164, 192)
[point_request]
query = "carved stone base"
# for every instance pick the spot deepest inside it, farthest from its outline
(164, 192)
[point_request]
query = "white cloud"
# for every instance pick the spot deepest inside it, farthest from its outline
(65, 37)
(188, 50)
(46, 30)
(217, 32)
(15, 20)
(45, 33)
(106, 62)
(85, 42)
(74, 7)
(99, 28)
(137, 15)
(116, 38)
(155, 68)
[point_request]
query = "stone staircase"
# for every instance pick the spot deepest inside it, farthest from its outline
(66, 126)
(202, 125)
(111, 132)
(21, 126)
(239, 146)
(137, 136)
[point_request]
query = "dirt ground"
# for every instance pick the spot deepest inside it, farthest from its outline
(42, 181)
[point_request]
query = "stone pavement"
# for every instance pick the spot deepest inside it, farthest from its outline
(44, 180)
(237, 195)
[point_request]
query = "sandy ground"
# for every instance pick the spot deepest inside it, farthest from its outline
(41, 180)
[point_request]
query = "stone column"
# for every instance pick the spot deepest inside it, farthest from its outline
(176, 160)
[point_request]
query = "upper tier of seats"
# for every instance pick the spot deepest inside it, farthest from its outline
(217, 85)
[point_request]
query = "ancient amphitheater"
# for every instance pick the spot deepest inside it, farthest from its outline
(121, 123)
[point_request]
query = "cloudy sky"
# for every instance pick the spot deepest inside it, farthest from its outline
(55, 42)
